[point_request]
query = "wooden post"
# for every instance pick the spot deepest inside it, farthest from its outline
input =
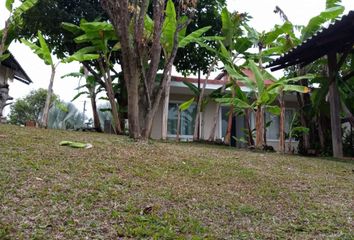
(334, 102)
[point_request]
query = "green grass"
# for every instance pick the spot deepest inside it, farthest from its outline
(121, 189)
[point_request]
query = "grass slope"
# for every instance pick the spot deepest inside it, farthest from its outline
(126, 190)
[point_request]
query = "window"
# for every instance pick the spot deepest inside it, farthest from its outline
(187, 120)
(273, 129)
(289, 114)
(224, 120)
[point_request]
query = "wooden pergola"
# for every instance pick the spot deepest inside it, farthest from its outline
(336, 42)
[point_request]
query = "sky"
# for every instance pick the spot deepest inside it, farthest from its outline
(263, 18)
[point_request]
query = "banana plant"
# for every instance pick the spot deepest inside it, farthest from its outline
(171, 27)
(264, 96)
(100, 42)
(8, 34)
(279, 88)
(43, 51)
(91, 89)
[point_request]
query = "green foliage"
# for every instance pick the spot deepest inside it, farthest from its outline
(99, 36)
(169, 28)
(42, 51)
(184, 106)
(196, 57)
(29, 108)
(9, 4)
(316, 22)
(57, 12)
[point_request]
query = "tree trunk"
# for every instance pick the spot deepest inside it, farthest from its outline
(166, 103)
(304, 101)
(334, 101)
(112, 101)
(4, 37)
(96, 119)
(110, 94)
(215, 121)
(44, 121)
(196, 133)
(259, 127)
(92, 89)
(249, 130)
(321, 134)
(281, 123)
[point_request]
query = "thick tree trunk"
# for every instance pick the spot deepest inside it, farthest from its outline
(259, 127)
(44, 121)
(281, 123)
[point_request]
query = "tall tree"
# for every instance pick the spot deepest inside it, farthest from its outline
(144, 40)
(43, 51)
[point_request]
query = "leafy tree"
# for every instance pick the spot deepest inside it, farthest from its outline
(144, 40)
(310, 110)
(48, 16)
(91, 89)
(98, 36)
(29, 108)
(263, 97)
(193, 58)
(43, 51)
(8, 34)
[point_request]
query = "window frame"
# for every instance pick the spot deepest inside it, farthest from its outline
(187, 137)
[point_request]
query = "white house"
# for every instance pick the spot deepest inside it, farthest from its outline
(179, 93)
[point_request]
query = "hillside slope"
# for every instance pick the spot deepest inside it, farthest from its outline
(128, 190)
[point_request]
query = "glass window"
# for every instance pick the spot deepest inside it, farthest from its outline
(187, 120)
(273, 129)
(224, 120)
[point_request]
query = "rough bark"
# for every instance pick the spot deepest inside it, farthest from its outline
(44, 121)
(136, 53)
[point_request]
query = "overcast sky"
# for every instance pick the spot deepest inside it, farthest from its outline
(299, 12)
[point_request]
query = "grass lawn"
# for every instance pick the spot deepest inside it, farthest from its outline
(120, 189)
